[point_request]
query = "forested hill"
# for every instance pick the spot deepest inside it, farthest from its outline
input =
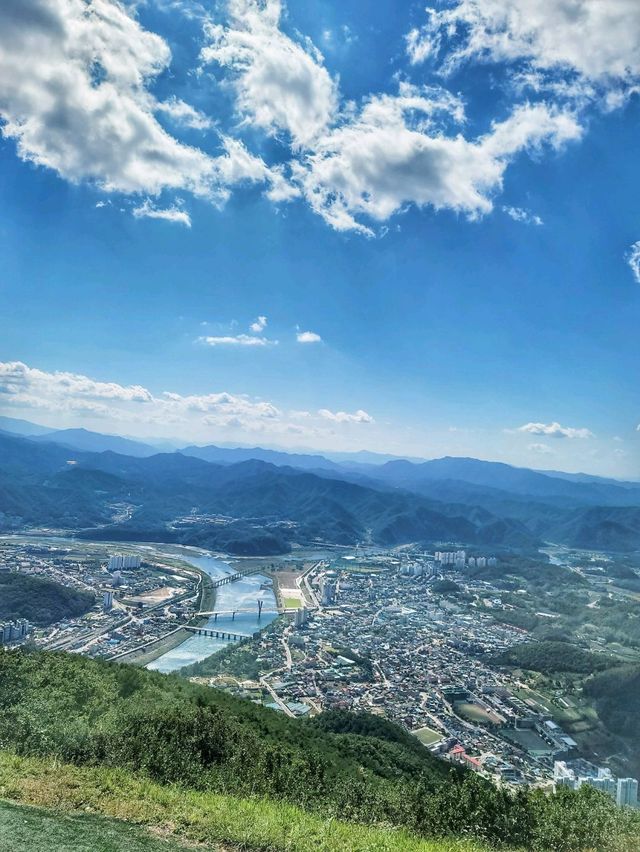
(39, 600)
(361, 768)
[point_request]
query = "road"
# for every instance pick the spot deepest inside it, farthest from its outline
(274, 694)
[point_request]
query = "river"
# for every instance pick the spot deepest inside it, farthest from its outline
(242, 594)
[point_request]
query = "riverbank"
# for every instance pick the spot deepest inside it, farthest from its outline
(147, 654)
(243, 607)
(151, 651)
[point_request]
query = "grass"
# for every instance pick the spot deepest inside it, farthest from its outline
(292, 603)
(185, 815)
(25, 828)
(427, 736)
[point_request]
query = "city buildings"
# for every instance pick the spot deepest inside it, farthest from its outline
(14, 631)
(627, 792)
(127, 561)
(576, 773)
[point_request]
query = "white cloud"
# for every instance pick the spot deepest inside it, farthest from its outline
(541, 449)
(175, 213)
(524, 216)
(258, 325)
(66, 398)
(308, 337)
(394, 152)
(554, 430)
(344, 417)
(184, 114)
(224, 410)
(23, 385)
(74, 97)
(596, 39)
(280, 84)
(237, 340)
(633, 259)
(253, 339)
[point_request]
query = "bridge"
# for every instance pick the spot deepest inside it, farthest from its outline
(232, 612)
(220, 634)
(237, 575)
(214, 613)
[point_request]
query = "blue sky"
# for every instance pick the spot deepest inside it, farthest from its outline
(434, 211)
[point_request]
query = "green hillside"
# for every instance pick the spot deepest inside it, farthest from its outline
(203, 820)
(165, 730)
(616, 694)
(40, 600)
(551, 657)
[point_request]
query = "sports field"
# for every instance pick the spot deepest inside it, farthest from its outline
(475, 713)
(427, 736)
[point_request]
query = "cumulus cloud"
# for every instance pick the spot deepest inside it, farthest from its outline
(74, 96)
(395, 153)
(174, 213)
(554, 430)
(28, 387)
(280, 84)
(66, 396)
(344, 417)
(258, 325)
(520, 215)
(224, 409)
(596, 39)
(633, 259)
(308, 337)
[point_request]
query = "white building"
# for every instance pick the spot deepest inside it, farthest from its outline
(627, 792)
(119, 561)
(575, 773)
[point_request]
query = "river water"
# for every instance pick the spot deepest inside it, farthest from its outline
(242, 594)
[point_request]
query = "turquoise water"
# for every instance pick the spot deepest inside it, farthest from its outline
(243, 594)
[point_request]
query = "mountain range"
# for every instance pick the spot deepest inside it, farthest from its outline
(255, 500)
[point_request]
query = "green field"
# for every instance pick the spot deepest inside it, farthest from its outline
(27, 829)
(474, 713)
(428, 736)
(574, 716)
(292, 603)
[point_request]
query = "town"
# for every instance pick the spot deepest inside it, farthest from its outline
(367, 630)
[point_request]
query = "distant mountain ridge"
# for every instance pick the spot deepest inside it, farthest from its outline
(71, 477)
(44, 484)
(93, 442)
(513, 480)
(22, 427)
(229, 455)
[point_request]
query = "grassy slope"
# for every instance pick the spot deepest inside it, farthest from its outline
(25, 828)
(208, 818)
